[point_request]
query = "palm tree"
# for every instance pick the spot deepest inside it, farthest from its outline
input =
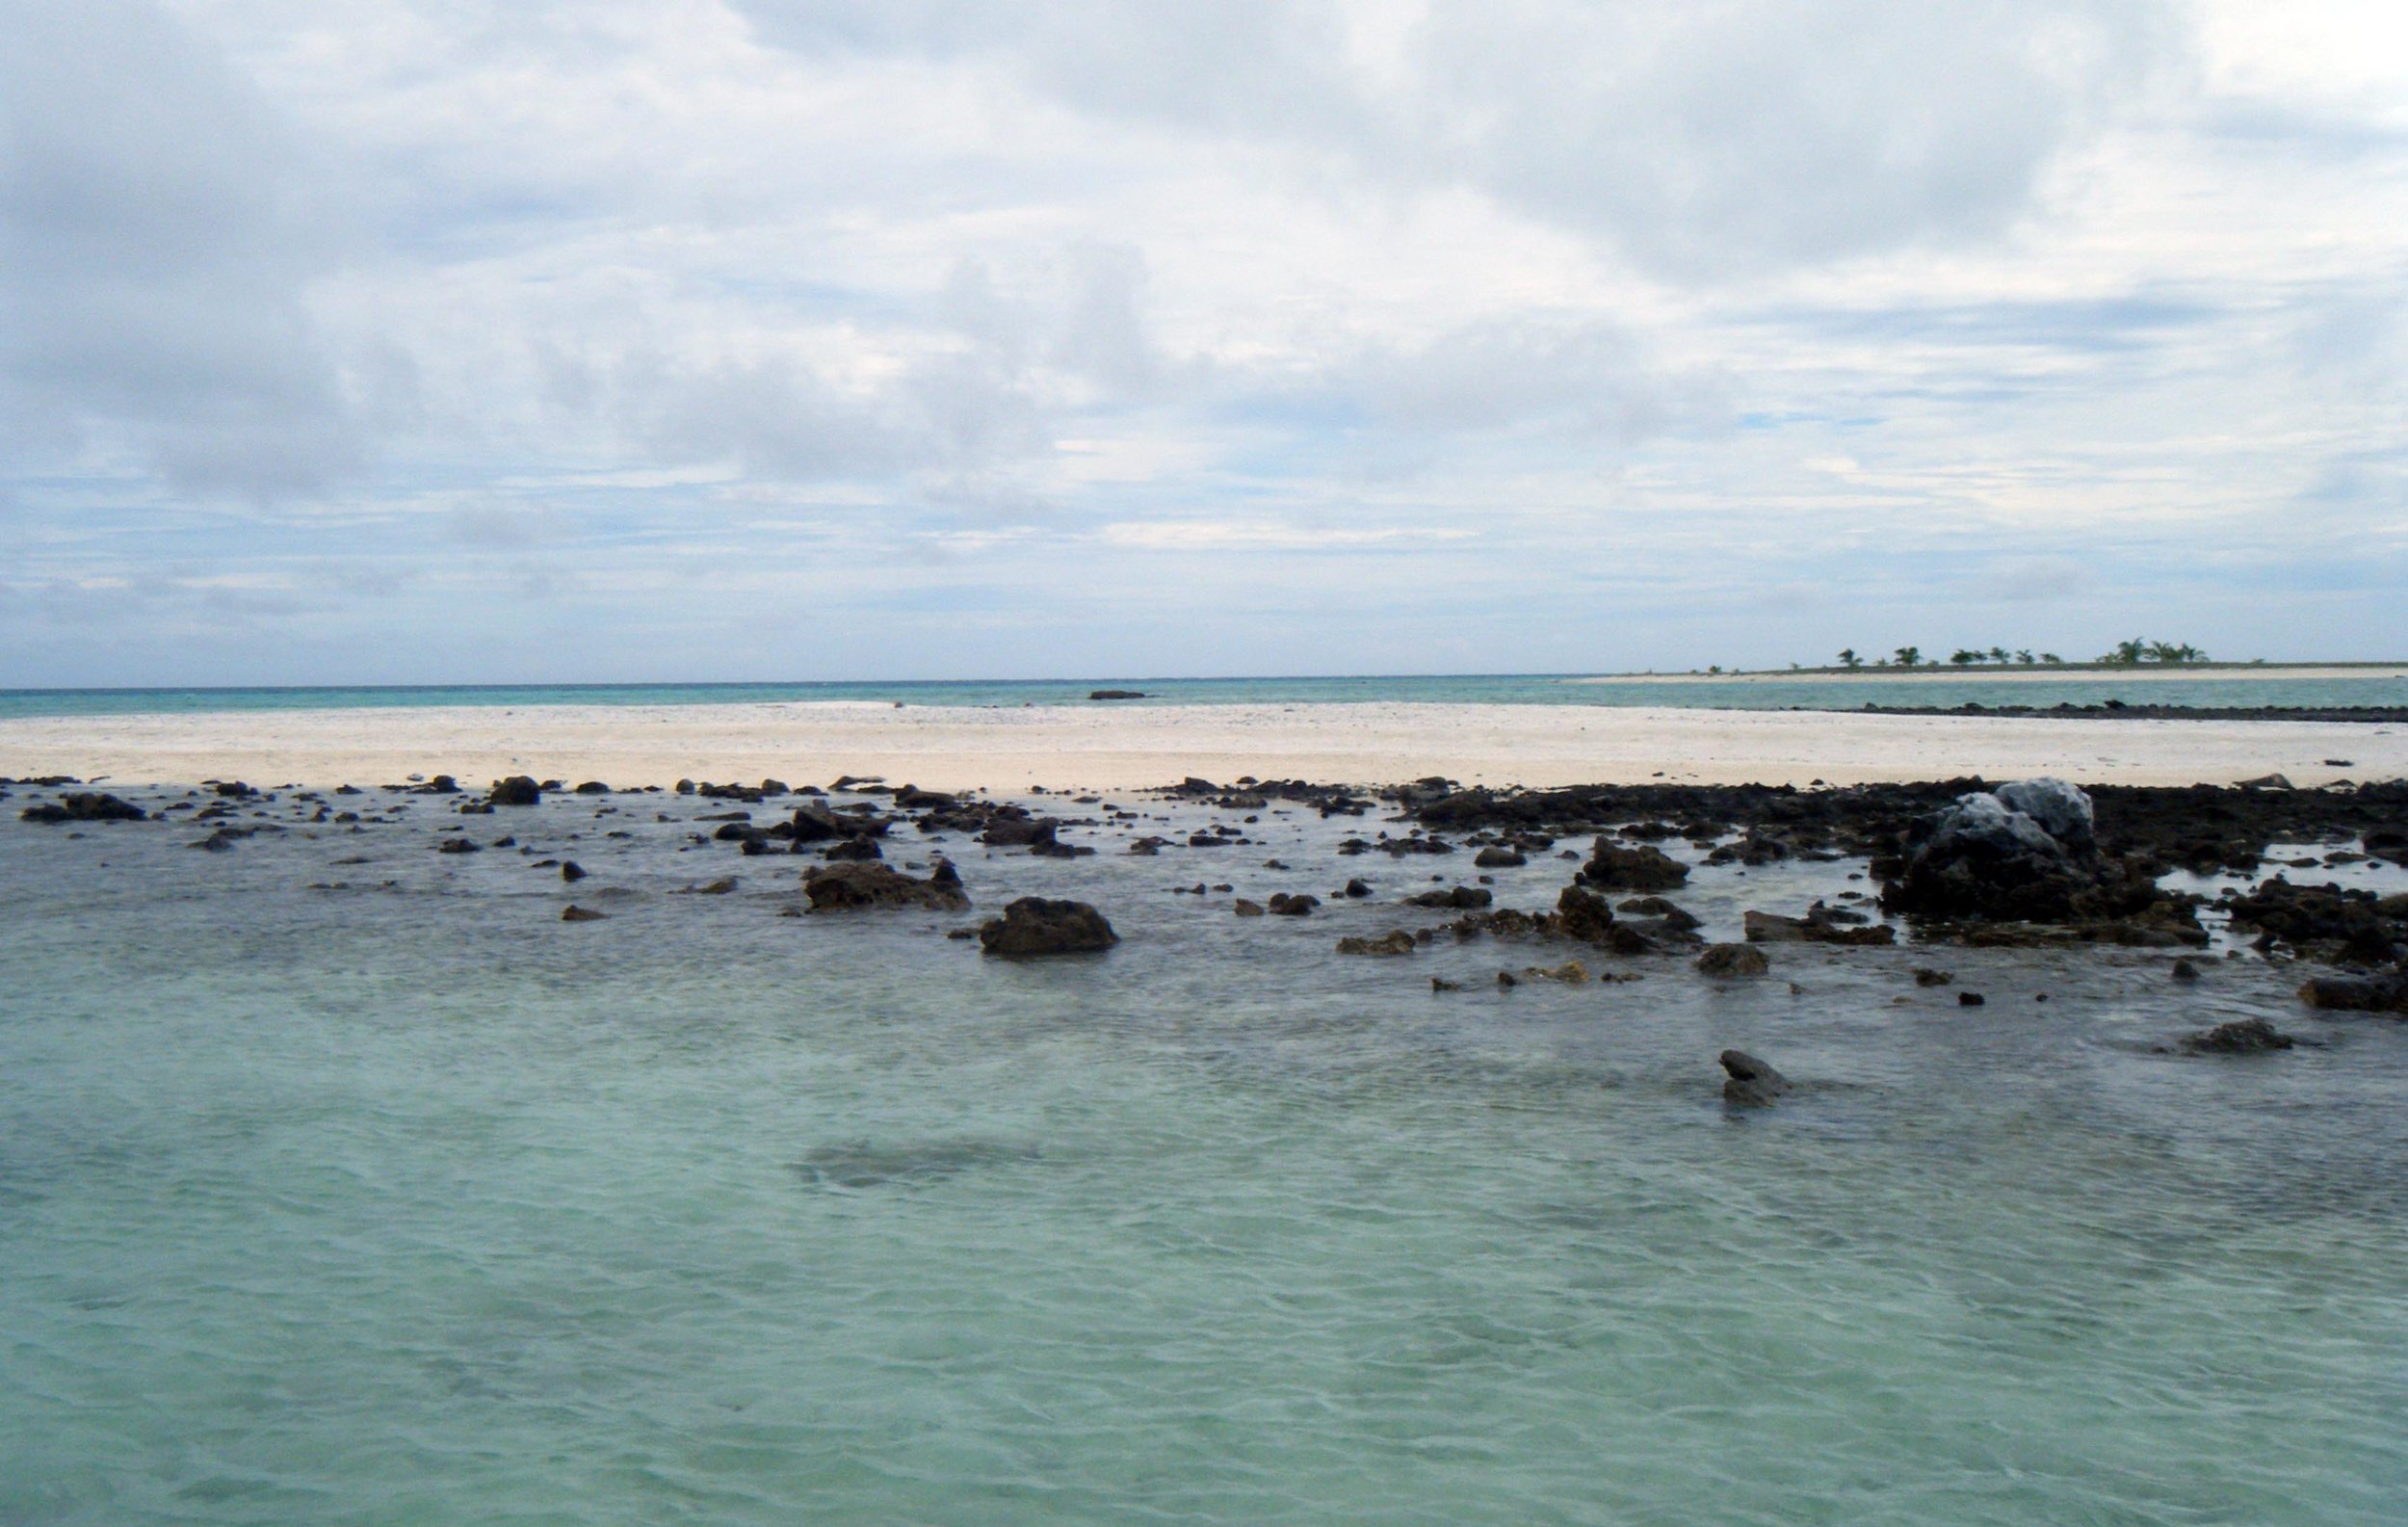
(1849, 659)
(2126, 654)
(1908, 656)
(2051, 657)
(1963, 656)
(1997, 655)
(2024, 657)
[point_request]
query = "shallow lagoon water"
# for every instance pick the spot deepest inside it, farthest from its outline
(406, 1202)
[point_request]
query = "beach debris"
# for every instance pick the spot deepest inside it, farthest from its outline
(1733, 960)
(84, 807)
(1395, 941)
(574, 913)
(2240, 1036)
(855, 886)
(1036, 925)
(519, 790)
(1748, 1082)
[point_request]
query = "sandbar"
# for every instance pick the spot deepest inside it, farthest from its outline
(1133, 747)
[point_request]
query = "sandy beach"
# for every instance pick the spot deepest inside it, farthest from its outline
(1133, 747)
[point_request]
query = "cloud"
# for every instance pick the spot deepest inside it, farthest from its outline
(158, 230)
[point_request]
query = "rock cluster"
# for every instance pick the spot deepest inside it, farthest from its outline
(1036, 925)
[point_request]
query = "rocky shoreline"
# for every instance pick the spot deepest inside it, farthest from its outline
(1965, 863)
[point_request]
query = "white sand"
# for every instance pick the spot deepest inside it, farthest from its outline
(1125, 747)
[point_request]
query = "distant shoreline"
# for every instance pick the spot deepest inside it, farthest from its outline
(2010, 674)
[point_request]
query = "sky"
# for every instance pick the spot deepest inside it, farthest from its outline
(425, 341)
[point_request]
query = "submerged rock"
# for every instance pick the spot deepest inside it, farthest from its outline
(2240, 1036)
(1733, 960)
(1395, 941)
(573, 913)
(1750, 1083)
(2387, 992)
(1036, 925)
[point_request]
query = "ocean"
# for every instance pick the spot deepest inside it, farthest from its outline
(342, 1182)
(1836, 692)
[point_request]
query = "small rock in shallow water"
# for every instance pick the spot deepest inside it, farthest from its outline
(1036, 925)
(1733, 960)
(572, 871)
(1926, 976)
(2240, 1036)
(579, 915)
(1750, 1083)
(1395, 941)
(519, 790)
(1246, 908)
(1970, 999)
(2185, 970)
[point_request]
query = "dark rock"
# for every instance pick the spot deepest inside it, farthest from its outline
(2240, 1036)
(1036, 925)
(1246, 908)
(1584, 915)
(1117, 694)
(1971, 999)
(1357, 889)
(2024, 853)
(572, 871)
(593, 787)
(1733, 960)
(85, 807)
(1455, 898)
(1645, 868)
(2184, 970)
(855, 886)
(1748, 1082)
(458, 846)
(1396, 941)
(1498, 858)
(1283, 904)
(855, 850)
(1926, 976)
(519, 790)
(2387, 992)
(573, 913)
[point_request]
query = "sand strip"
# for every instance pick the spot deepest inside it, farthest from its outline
(1131, 747)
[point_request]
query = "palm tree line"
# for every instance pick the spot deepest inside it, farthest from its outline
(2124, 654)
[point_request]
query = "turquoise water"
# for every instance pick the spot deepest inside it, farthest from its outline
(399, 1200)
(1833, 692)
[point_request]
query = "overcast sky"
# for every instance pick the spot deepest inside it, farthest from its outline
(461, 340)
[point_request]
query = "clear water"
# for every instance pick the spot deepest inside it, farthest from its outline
(1833, 692)
(402, 1201)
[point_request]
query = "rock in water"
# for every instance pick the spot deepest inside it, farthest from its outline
(1395, 941)
(2023, 854)
(1750, 1082)
(2381, 993)
(1645, 868)
(1733, 960)
(84, 807)
(579, 915)
(517, 790)
(1036, 925)
(2240, 1036)
(853, 886)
